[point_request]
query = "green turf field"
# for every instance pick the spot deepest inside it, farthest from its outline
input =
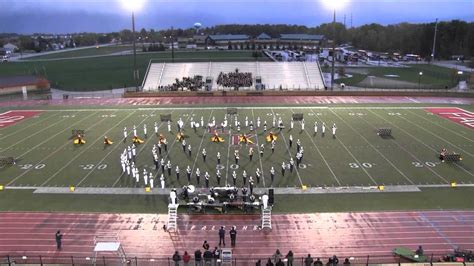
(108, 72)
(434, 77)
(357, 156)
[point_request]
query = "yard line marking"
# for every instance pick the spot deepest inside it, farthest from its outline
(416, 158)
(353, 157)
(321, 154)
(289, 152)
(228, 147)
(450, 130)
(59, 148)
(258, 153)
(32, 124)
(172, 144)
(202, 140)
(131, 130)
(96, 165)
(372, 146)
(39, 131)
(468, 153)
(426, 145)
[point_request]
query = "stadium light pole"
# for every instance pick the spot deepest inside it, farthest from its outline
(334, 5)
(133, 6)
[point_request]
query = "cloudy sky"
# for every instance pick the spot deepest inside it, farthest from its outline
(62, 16)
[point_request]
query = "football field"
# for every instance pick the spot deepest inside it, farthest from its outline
(41, 143)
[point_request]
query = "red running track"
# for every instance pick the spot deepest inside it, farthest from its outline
(321, 234)
(150, 101)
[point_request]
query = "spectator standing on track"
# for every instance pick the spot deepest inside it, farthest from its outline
(259, 263)
(280, 263)
(208, 256)
(335, 260)
(318, 262)
(277, 256)
(59, 238)
(176, 258)
(308, 260)
(289, 257)
(186, 258)
(197, 257)
(346, 261)
(222, 236)
(269, 262)
(217, 255)
(233, 236)
(205, 245)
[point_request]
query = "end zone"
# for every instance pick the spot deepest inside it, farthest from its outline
(12, 117)
(455, 114)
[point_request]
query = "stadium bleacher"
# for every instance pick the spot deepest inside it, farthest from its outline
(275, 75)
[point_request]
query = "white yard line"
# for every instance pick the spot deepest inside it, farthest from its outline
(353, 157)
(258, 153)
(228, 148)
(426, 145)
(431, 133)
(76, 156)
(54, 152)
(36, 133)
(202, 140)
(321, 154)
(174, 142)
(372, 146)
(105, 157)
(116, 146)
(30, 125)
(443, 128)
(289, 152)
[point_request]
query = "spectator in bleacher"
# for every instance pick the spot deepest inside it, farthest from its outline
(289, 258)
(318, 262)
(235, 79)
(419, 251)
(198, 257)
(186, 258)
(269, 262)
(308, 260)
(176, 258)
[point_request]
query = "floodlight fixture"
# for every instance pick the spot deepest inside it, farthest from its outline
(132, 5)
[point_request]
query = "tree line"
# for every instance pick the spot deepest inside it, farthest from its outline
(454, 37)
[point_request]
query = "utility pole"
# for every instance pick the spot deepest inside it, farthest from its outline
(172, 45)
(135, 71)
(333, 49)
(434, 42)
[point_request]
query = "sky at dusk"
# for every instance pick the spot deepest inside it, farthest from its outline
(67, 16)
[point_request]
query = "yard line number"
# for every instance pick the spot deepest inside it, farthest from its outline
(91, 166)
(32, 166)
(361, 165)
(423, 164)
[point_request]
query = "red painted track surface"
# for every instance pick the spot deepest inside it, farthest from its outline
(321, 234)
(243, 100)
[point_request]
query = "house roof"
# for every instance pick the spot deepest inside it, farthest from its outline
(10, 46)
(302, 37)
(264, 36)
(229, 37)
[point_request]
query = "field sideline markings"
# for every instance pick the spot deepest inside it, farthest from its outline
(426, 145)
(248, 107)
(258, 151)
(107, 155)
(32, 124)
(228, 148)
(372, 146)
(444, 120)
(321, 154)
(49, 155)
(171, 146)
(352, 155)
(200, 145)
(37, 132)
(289, 152)
(75, 157)
(468, 153)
